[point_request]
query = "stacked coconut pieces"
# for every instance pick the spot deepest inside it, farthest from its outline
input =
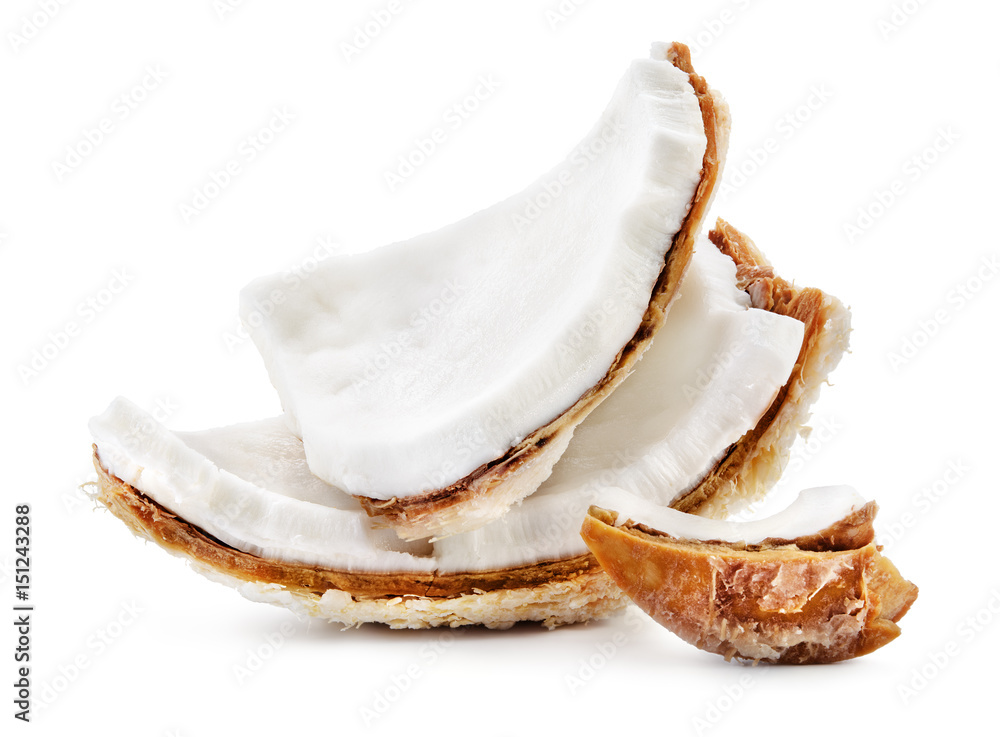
(455, 403)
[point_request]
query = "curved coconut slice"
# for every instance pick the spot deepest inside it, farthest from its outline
(438, 380)
(755, 463)
(240, 505)
(800, 587)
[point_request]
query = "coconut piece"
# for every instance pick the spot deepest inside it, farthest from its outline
(747, 590)
(241, 506)
(553, 593)
(755, 463)
(439, 419)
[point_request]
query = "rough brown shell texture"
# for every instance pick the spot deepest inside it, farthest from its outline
(822, 599)
(755, 463)
(468, 503)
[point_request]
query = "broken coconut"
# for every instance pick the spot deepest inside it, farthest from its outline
(438, 420)
(807, 585)
(242, 505)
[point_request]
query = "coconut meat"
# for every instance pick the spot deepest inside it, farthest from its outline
(250, 485)
(812, 511)
(406, 368)
(268, 505)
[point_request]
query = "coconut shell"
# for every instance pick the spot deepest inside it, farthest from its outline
(777, 602)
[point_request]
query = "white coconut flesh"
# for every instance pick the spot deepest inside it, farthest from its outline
(406, 368)
(250, 485)
(812, 511)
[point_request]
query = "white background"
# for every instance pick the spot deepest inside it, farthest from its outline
(128, 639)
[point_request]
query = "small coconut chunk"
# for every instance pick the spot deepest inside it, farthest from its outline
(750, 592)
